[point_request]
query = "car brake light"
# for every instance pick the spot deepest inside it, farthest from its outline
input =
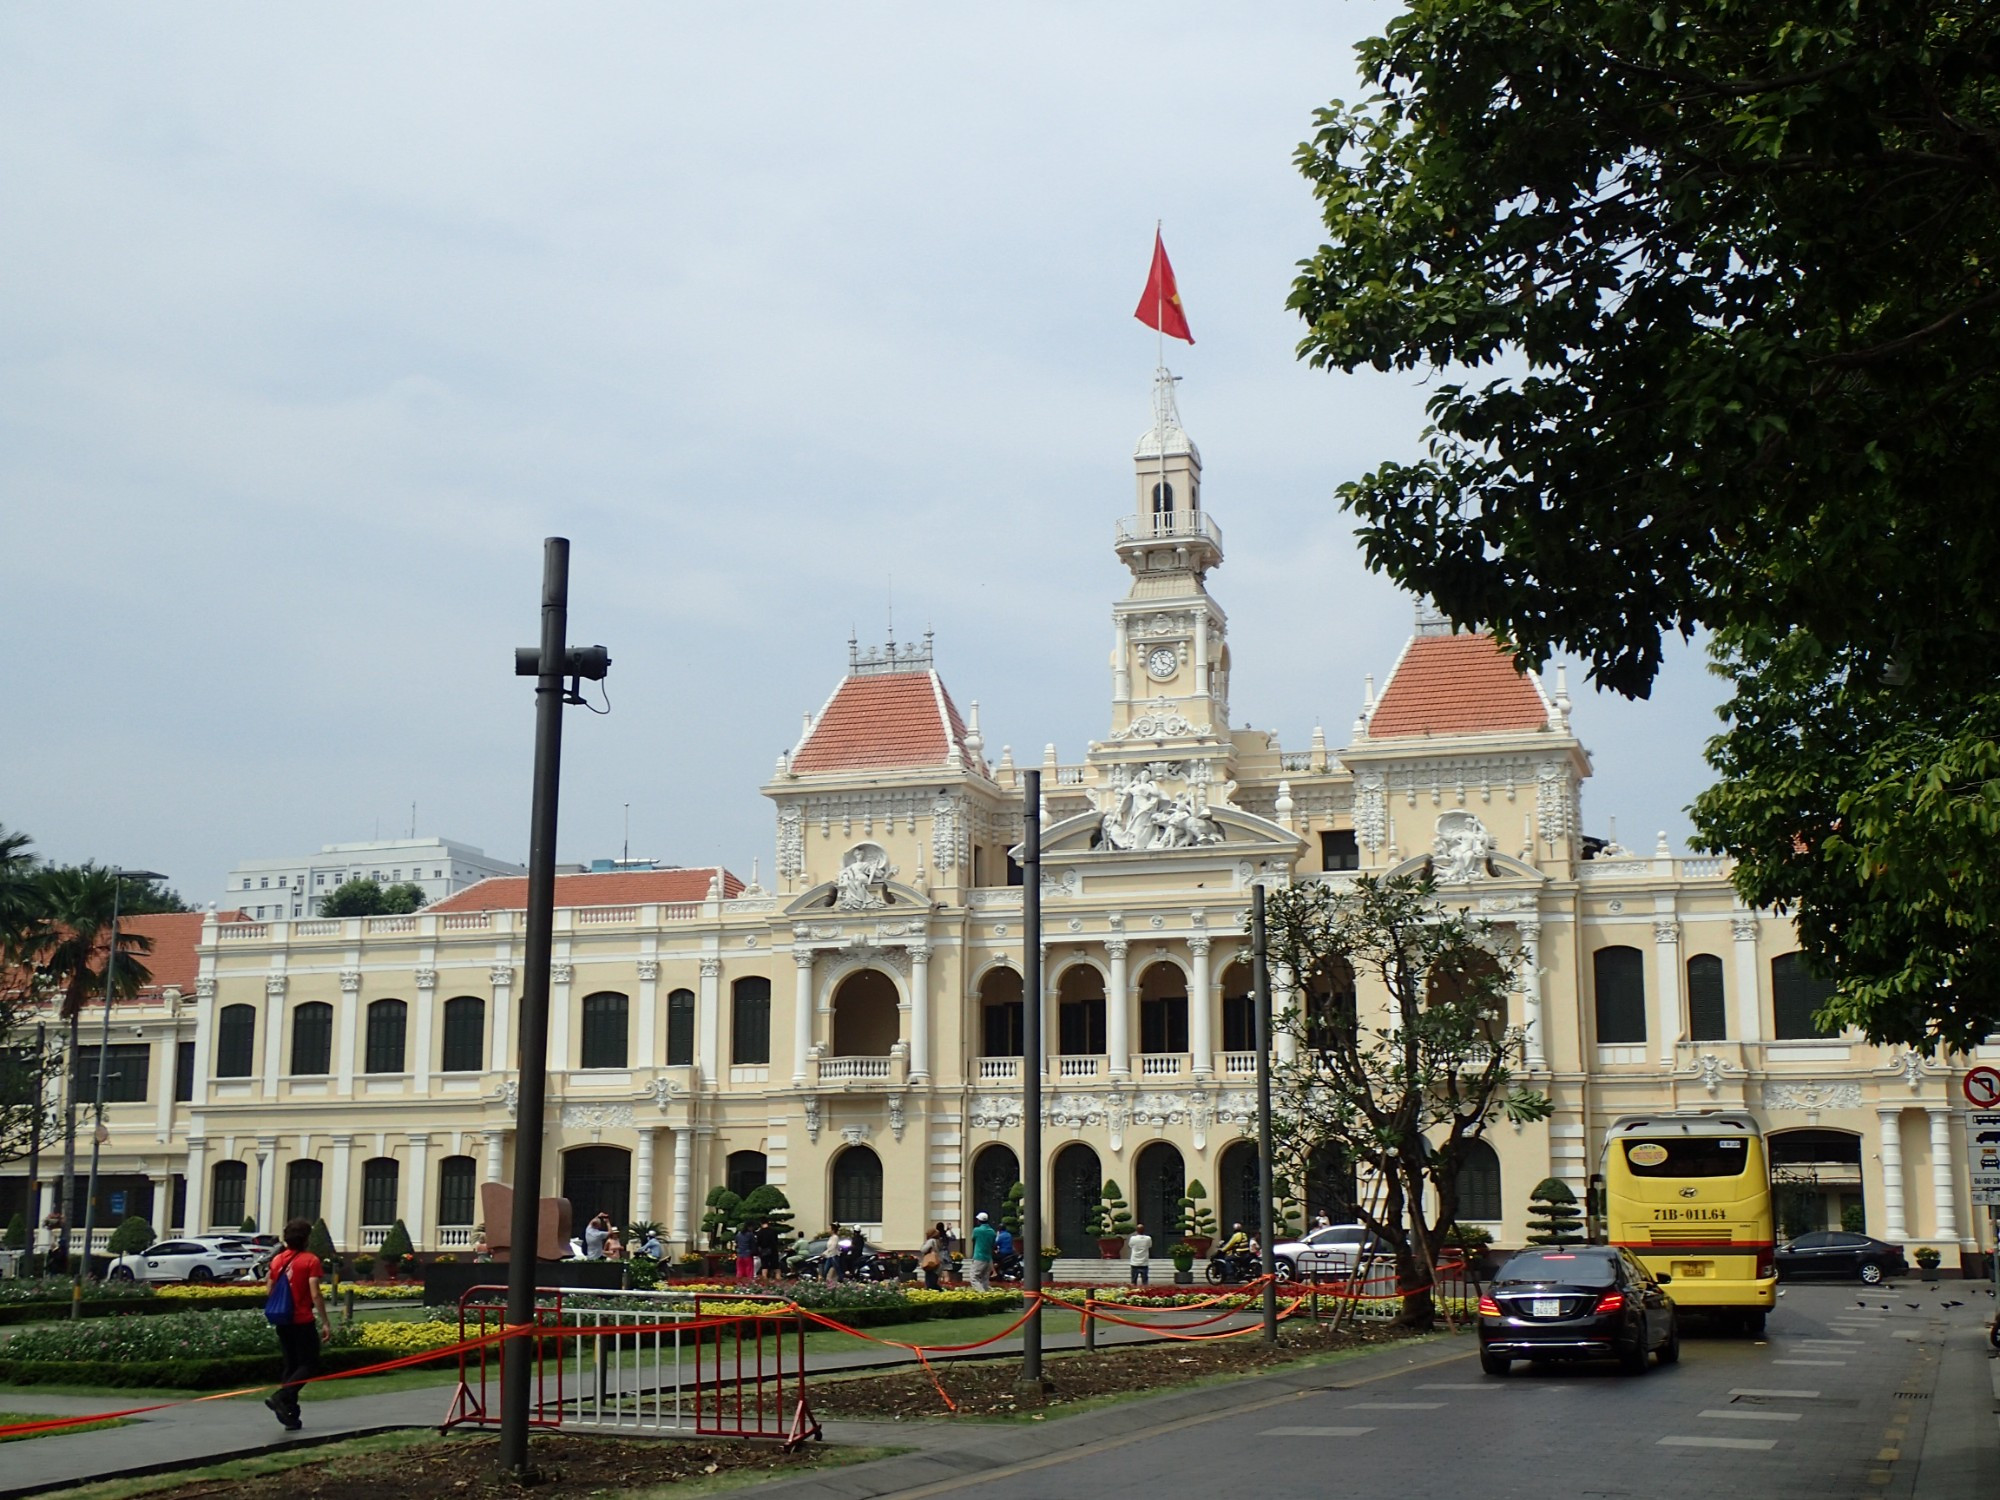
(1488, 1308)
(1610, 1302)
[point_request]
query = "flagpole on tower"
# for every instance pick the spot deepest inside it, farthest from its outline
(1160, 306)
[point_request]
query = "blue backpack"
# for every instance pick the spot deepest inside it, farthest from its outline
(278, 1306)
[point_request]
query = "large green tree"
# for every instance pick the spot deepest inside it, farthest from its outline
(370, 898)
(25, 1065)
(1729, 267)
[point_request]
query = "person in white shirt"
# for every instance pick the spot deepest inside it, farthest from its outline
(1139, 1252)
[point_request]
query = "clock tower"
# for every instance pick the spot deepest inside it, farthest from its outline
(1169, 659)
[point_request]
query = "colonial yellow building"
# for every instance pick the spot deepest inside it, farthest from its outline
(854, 1035)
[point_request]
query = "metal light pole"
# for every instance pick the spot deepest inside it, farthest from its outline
(1031, 1083)
(81, 1265)
(548, 664)
(1266, 1214)
(35, 1211)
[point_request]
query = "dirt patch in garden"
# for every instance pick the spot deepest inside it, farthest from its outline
(985, 1388)
(465, 1468)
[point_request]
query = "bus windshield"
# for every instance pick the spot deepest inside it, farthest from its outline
(1686, 1156)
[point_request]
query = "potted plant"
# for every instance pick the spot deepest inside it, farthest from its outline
(398, 1254)
(1113, 1221)
(1183, 1256)
(1928, 1260)
(364, 1265)
(1049, 1255)
(1197, 1224)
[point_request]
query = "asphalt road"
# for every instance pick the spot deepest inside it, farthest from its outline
(1833, 1401)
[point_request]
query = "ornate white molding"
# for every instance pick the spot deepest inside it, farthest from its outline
(597, 1116)
(1060, 882)
(1074, 1110)
(994, 1112)
(711, 968)
(1160, 724)
(204, 987)
(1711, 1071)
(1116, 947)
(350, 981)
(1143, 816)
(500, 976)
(1812, 1094)
(649, 970)
(1743, 929)
(1199, 945)
(561, 973)
(865, 871)
(947, 833)
(812, 1118)
(510, 1096)
(427, 979)
(1666, 931)
(897, 1119)
(274, 986)
(791, 841)
(855, 1135)
(661, 1090)
(1371, 808)
(1554, 802)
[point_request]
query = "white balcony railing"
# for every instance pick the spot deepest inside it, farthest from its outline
(326, 928)
(1236, 1064)
(605, 916)
(852, 1069)
(372, 1235)
(1079, 1067)
(1162, 1064)
(466, 921)
(391, 924)
(1168, 525)
(240, 932)
(999, 1069)
(454, 1236)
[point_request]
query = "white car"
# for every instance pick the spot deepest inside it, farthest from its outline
(188, 1260)
(1331, 1251)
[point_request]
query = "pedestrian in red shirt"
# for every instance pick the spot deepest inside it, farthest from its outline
(296, 1308)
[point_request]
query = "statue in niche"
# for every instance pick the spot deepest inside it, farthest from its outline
(864, 870)
(1459, 851)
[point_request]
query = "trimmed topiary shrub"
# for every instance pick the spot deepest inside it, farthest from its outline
(320, 1243)
(1553, 1215)
(397, 1244)
(129, 1238)
(723, 1216)
(249, 1225)
(17, 1232)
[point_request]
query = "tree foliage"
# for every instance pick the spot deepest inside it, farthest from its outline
(1553, 1215)
(370, 898)
(1405, 1086)
(1733, 263)
(131, 1237)
(767, 1201)
(725, 1213)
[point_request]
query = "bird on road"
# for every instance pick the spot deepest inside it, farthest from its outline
(1912, 1306)
(1954, 1304)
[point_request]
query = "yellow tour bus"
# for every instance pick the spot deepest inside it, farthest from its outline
(1689, 1193)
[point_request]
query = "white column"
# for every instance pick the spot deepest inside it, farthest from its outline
(684, 1225)
(496, 1155)
(920, 1013)
(1531, 992)
(1282, 1000)
(163, 1205)
(1201, 1041)
(501, 1021)
(1892, 1174)
(197, 1181)
(649, 1002)
(708, 1021)
(560, 1052)
(642, 1170)
(274, 1041)
(1749, 1007)
(1121, 661)
(346, 1236)
(346, 1026)
(165, 1073)
(204, 1039)
(267, 1184)
(414, 1209)
(1667, 1008)
(1117, 1012)
(422, 1047)
(1201, 683)
(802, 1013)
(1942, 1183)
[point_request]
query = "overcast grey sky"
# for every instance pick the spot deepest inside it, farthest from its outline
(316, 320)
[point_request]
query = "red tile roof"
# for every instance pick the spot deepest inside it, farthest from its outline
(613, 888)
(1456, 684)
(883, 719)
(173, 961)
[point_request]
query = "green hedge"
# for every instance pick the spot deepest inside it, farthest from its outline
(188, 1374)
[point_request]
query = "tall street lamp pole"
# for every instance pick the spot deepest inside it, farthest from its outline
(81, 1264)
(1031, 1084)
(1260, 972)
(548, 664)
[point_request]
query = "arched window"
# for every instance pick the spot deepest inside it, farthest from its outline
(225, 1194)
(1002, 1018)
(388, 1025)
(865, 1020)
(458, 1189)
(680, 1029)
(750, 1021)
(1708, 1019)
(1163, 1010)
(312, 1040)
(1479, 1183)
(303, 1179)
(1163, 500)
(857, 1186)
(1621, 995)
(995, 1170)
(1472, 975)
(743, 1172)
(1239, 1010)
(235, 1042)
(464, 1035)
(1796, 993)
(381, 1180)
(1331, 1013)
(1080, 1012)
(604, 1027)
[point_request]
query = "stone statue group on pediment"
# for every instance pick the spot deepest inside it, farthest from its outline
(1145, 816)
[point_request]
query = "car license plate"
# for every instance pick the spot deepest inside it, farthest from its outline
(1546, 1307)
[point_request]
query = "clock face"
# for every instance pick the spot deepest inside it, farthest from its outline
(1162, 662)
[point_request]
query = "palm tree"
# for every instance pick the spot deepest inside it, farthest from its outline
(17, 864)
(67, 939)
(23, 1110)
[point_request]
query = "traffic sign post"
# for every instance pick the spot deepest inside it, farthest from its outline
(1982, 1087)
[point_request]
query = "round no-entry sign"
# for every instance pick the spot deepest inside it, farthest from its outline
(1982, 1087)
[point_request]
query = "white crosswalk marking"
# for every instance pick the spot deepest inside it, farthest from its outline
(1816, 1364)
(1740, 1415)
(1394, 1405)
(1751, 1390)
(1315, 1431)
(1759, 1445)
(1461, 1385)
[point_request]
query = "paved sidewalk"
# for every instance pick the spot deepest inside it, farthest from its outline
(208, 1432)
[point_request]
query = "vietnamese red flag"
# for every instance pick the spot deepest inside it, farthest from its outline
(1161, 306)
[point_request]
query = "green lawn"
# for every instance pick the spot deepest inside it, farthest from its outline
(9, 1418)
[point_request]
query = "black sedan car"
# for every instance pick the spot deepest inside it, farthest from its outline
(1589, 1302)
(1838, 1253)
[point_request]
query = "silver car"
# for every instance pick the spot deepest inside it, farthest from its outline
(214, 1259)
(1332, 1251)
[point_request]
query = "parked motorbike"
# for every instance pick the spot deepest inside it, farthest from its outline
(1009, 1268)
(1227, 1268)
